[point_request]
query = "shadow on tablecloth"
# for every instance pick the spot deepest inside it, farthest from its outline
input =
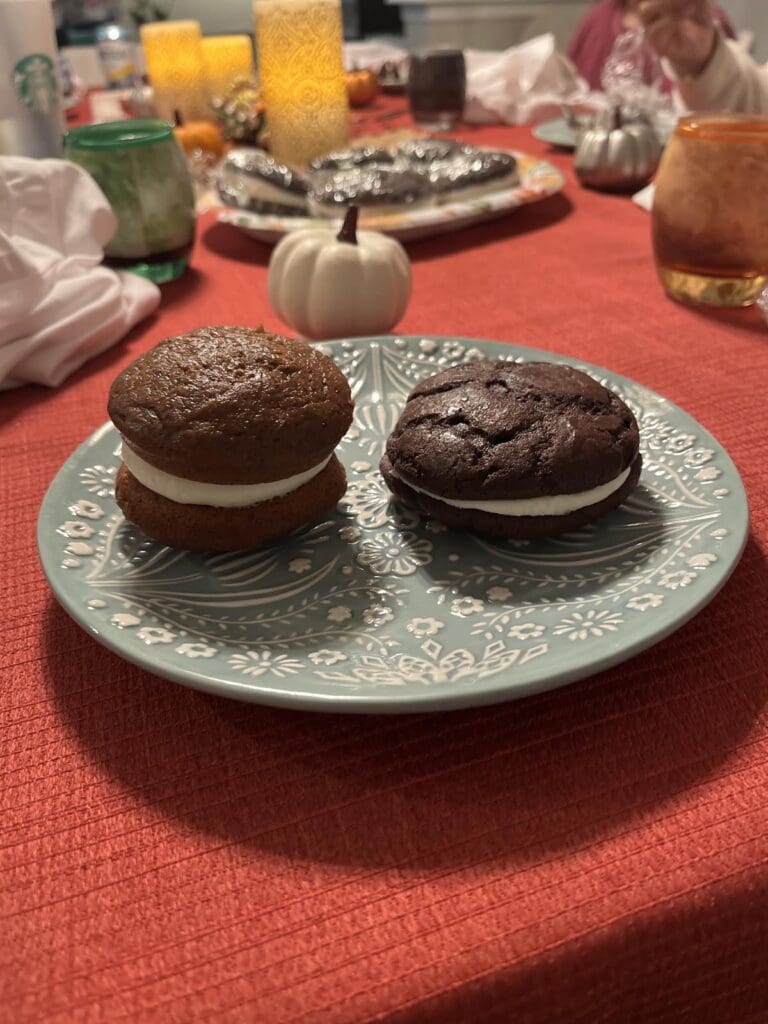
(516, 784)
(699, 957)
(521, 221)
(231, 243)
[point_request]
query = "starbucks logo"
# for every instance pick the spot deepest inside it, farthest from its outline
(34, 82)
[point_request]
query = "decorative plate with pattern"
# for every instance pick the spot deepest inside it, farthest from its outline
(375, 609)
(538, 180)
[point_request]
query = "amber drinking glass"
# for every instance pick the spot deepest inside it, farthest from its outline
(710, 212)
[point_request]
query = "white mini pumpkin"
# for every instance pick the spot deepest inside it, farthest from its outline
(335, 286)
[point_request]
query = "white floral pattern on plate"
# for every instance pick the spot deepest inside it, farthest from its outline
(375, 608)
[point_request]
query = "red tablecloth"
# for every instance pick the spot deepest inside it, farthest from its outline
(594, 854)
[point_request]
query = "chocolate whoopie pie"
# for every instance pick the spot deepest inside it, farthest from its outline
(373, 189)
(228, 438)
(468, 175)
(513, 450)
(425, 150)
(344, 159)
(250, 179)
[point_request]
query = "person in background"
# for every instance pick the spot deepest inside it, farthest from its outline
(710, 72)
(595, 35)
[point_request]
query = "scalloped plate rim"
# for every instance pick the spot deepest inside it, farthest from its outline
(499, 688)
(426, 221)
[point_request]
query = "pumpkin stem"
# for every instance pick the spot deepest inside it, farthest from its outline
(348, 231)
(178, 120)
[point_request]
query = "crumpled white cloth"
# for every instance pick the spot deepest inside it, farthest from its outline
(525, 83)
(58, 305)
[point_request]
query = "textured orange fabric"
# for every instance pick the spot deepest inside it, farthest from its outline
(595, 854)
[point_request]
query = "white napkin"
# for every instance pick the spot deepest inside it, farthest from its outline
(525, 83)
(58, 305)
(644, 198)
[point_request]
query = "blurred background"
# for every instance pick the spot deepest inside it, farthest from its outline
(476, 24)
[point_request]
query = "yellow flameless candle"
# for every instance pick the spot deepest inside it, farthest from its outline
(176, 68)
(226, 58)
(301, 69)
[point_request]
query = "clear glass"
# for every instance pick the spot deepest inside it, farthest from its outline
(141, 170)
(710, 210)
(437, 88)
(632, 75)
(301, 69)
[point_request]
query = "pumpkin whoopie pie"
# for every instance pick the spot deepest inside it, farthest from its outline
(228, 438)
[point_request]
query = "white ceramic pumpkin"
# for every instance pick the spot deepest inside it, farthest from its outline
(335, 286)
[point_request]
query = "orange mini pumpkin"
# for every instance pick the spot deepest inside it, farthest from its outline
(204, 135)
(362, 87)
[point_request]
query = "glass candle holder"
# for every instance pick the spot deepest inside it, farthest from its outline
(301, 68)
(141, 170)
(437, 84)
(226, 58)
(173, 51)
(710, 211)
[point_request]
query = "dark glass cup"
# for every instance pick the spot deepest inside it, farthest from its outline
(437, 88)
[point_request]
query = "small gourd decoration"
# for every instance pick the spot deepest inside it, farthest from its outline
(334, 286)
(203, 136)
(362, 87)
(615, 154)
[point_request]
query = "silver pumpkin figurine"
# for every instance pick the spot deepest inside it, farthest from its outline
(616, 154)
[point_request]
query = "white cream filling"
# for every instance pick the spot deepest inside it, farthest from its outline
(550, 505)
(483, 188)
(197, 492)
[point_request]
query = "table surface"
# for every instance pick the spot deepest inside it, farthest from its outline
(597, 853)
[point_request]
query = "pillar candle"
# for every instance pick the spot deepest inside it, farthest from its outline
(176, 68)
(226, 58)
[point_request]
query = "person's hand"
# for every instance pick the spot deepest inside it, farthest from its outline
(683, 31)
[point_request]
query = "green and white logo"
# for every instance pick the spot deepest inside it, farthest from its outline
(34, 82)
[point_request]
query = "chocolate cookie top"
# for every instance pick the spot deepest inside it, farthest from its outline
(428, 149)
(495, 429)
(369, 186)
(255, 163)
(344, 159)
(231, 405)
(464, 171)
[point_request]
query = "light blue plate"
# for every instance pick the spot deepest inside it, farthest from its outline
(377, 610)
(556, 132)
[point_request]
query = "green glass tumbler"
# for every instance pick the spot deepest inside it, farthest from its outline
(141, 169)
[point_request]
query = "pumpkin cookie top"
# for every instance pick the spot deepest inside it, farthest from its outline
(231, 405)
